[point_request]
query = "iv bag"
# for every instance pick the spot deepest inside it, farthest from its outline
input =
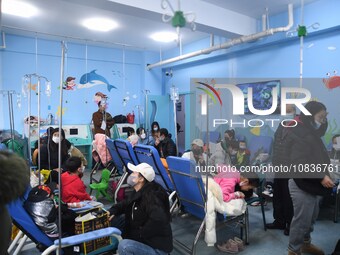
(48, 90)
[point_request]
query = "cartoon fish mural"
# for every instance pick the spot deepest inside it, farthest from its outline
(91, 79)
(332, 82)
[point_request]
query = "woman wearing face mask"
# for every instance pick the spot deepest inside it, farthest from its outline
(144, 138)
(155, 128)
(307, 151)
(49, 151)
(73, 188)
(147, 229)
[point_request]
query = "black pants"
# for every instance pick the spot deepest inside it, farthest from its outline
(282, 202)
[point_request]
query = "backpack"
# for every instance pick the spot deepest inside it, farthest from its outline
(18, 146)
(120, 119)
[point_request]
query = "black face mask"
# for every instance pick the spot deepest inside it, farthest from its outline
(197, 151)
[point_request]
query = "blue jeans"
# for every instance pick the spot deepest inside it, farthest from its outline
(132, 247)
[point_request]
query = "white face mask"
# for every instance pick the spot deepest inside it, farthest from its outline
(233, 152)
(155, 129)
(143, 136)
(336, 147)
(131, 180)
(55, 139)
(82, 169)
(242, 147)
(317, 124)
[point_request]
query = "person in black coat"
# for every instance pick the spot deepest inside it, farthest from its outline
(282, 202)
(49, 153)
(165, 145)
(147, 227)
(307, 152)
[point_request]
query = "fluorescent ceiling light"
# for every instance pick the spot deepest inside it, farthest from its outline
(164, 37)
(100, 24)
(19, 8)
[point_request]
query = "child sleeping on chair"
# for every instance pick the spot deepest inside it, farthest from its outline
(233, 183)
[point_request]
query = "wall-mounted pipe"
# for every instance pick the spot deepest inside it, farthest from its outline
(236, 41)
(3, 46)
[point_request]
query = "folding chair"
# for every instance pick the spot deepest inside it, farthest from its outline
(191, 193)
(28, 229)
(149, 154)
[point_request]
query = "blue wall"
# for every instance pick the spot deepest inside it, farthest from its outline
(274, 57)
(20, 58)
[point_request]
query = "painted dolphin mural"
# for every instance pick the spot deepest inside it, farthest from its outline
(91, 79)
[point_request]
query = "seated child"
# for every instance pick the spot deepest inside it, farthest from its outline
(73, 188)
(230, 181)
(41, 206)
(335, 152)
(242, 156)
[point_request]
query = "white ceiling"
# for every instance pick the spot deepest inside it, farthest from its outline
(138, 19)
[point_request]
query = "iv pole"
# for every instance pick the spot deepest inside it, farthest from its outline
(63, 50)
(39, 78)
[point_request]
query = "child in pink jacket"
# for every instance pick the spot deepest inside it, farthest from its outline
(233, 183)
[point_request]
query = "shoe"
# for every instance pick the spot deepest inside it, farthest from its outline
(229, 247)
(275, 225)
(311, 249)
(286, 231)
(240, 244)
(293, 253)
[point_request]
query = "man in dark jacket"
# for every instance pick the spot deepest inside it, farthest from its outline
(165, 145)
(282, 202)
(309, 157)
(147, 228)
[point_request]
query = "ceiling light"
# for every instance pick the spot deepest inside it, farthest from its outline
(100, 24)
(19, 8)
(164, 37)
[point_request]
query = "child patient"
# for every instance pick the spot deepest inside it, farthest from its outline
(233, 184)
(73, 188)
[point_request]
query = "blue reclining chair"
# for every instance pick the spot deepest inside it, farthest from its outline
(192, 197)
(127, 155)
(22, 220)
(149, 154)
(118, 164)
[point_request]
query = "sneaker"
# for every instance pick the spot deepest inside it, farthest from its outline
(311, 249)
(229, 247)
(240, 244)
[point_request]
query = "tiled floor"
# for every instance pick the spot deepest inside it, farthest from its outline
(270, 242)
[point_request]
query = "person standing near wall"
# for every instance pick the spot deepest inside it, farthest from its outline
(308, 150)
(102, 120)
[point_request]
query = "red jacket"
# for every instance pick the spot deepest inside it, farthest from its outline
(73, 188)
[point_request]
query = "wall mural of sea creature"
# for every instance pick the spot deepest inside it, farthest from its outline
(92, 79)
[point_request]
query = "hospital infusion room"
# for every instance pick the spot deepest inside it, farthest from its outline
(162, 127)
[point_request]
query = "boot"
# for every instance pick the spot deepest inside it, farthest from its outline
(311, 249)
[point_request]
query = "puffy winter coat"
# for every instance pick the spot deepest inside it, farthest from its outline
(147, 217)
(73, 188)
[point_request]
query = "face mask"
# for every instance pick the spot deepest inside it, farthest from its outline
(131, 180)
(155, 129)
(55, 139)
(161, 138)
(82, 169)
(243, 147)
(336, 147)
(233, 152)
(143, 136)
(317, 124)
(197, 151)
